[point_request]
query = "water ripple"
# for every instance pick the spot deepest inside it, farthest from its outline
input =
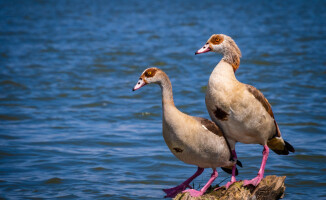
(71, 128)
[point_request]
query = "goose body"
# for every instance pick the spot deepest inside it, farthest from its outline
(189, 139)
(193, 140)
(240, 110)
(236, 110)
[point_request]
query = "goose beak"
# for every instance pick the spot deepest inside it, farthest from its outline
(139, 84)
(204, 49)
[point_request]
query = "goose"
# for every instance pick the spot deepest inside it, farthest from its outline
(193, 140)
(240, 110)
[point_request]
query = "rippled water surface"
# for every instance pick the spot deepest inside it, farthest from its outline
(71, 128)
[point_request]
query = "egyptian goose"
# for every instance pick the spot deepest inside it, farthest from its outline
(240, 110)
(193, 140)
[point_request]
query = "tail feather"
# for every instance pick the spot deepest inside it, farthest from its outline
(239, 163)
(280, 146)
(229, 170)
(289, 147)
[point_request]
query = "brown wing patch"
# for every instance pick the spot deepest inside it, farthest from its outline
(278, 132)
(260, 97)
(220, 114)
(211, 126)
(216, 39)
(150, 72)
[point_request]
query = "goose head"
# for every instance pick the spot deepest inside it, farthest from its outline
(224, 45)
(215, 43)
(150, 75)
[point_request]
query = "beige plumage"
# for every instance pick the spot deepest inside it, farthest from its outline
(241, 110)
(193, 140)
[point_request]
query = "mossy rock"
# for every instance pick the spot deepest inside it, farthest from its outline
(270, 188)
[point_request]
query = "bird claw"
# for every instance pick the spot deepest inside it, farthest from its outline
(172, 192)
(254, 181)
(194, 193)
(226, 186)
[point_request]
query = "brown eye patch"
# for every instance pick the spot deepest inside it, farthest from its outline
(150, 72)
(216, 39)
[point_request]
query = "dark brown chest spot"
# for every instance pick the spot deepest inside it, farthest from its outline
(177, 150)
(220, 114)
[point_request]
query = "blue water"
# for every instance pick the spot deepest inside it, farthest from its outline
(71, 128)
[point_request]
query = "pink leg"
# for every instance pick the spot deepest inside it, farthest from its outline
(260, 175)
(172, 192)
(196, 193)
(233, 180)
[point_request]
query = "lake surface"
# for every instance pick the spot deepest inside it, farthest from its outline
(71, 128)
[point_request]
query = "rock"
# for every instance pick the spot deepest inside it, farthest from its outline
(270, 188)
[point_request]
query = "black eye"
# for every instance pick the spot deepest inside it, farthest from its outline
(140, 79)
(206, 42)
(138, 83)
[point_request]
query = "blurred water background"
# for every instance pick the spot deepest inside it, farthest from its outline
(71, 128)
